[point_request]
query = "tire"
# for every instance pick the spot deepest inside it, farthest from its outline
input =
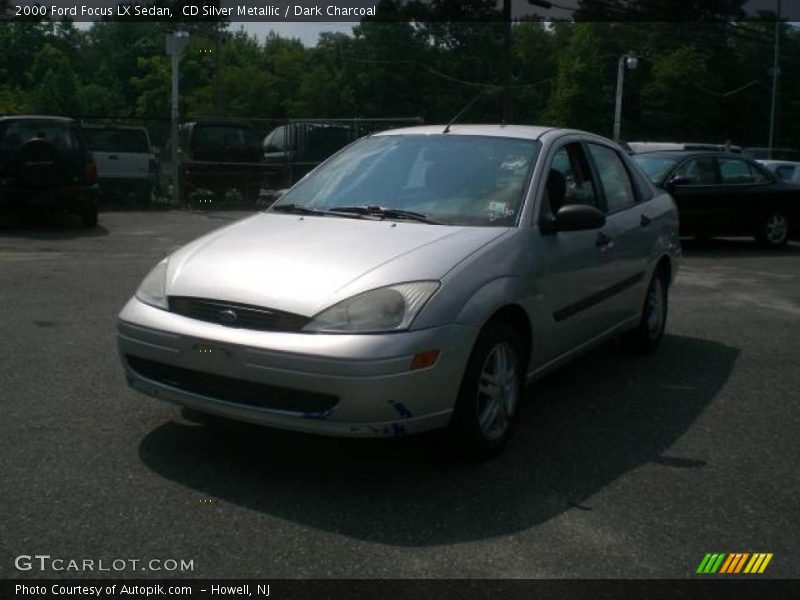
(475, 433)
(649, 332)
(773, 231)
(89, 217)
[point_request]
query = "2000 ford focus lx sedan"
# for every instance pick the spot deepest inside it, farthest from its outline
(415, 280)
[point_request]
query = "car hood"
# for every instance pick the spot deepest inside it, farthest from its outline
(306, 264)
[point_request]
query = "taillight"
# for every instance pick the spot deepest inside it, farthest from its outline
(90, 170)
(153, 165)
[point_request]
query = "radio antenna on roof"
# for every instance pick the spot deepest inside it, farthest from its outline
(463, 110)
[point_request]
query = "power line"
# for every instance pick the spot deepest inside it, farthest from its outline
(433, 71)
(730, 92)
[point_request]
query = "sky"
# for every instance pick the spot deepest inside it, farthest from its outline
(305, 32)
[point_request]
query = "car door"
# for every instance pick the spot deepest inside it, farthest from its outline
(696, 190)
(573, 266)
(748, 193)
(631, 232)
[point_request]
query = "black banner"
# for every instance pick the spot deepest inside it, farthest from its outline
(401, 589)
(400, 10)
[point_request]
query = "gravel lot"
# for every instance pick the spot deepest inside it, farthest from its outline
(621, 467)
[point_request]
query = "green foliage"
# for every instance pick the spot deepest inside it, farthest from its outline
(581, 92)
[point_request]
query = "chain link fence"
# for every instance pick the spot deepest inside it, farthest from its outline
(224, 162)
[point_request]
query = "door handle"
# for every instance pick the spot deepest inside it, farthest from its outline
(112, 157)
(604, 242)
(645, 221)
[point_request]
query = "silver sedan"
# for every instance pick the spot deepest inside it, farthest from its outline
(416, 280)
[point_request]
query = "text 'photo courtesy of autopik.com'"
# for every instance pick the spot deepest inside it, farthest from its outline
(414, 298)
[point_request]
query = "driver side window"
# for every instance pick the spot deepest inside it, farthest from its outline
(569, 180)
(698, 171)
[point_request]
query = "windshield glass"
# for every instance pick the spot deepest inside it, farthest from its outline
(656, 167)
(117, 140)
(452, 179)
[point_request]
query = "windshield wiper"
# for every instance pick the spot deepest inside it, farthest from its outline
(297, 209)
(388, 213)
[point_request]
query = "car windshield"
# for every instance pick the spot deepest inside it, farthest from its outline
(656, 167)
(117, 140)
(61, 134)
(450, 179)
(225, 136)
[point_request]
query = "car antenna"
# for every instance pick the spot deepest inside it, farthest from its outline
(463, 110)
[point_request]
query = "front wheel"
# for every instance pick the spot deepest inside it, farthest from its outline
(773, 232)
(488, 399)
(648, 334)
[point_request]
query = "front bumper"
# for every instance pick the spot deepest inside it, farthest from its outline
(367, 378)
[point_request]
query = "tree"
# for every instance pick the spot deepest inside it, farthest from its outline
(53, 83)
(582, 91)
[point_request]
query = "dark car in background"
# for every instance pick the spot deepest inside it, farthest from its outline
(220, 160)
(726, 194)
(301, 146)
(126, 163)
(46, 166)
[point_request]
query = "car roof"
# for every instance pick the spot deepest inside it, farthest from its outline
(101, 126)
(779, 163)
(36, 118)
(219, 123)
(685, 153)
(511, 131)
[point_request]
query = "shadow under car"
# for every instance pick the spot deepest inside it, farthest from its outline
(580, 429)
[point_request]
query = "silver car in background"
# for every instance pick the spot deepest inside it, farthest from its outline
(415, 280)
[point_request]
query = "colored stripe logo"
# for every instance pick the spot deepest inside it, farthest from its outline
(734, 562)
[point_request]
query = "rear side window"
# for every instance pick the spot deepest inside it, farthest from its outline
(62, 135)
(614, 178)
(785, 173)
(117, 140)
(733, 170)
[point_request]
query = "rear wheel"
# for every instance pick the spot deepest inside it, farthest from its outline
(648, 334)
(773, 231)
(487, 404)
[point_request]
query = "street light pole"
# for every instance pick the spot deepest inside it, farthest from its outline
(626, 61)
(175, 42)
(775, 74)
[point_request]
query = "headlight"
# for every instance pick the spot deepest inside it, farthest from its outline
(151, 290)
(385, 309)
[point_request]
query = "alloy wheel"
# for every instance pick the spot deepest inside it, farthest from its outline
(498, 391)
(776, 228)
(654, 317)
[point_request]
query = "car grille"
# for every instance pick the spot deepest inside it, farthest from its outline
(229, 389)
(244, 316)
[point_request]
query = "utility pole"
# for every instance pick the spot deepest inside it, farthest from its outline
(507, 48)
(175, 41)
(775, 74)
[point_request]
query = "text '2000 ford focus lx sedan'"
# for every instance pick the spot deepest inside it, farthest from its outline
(414, 281)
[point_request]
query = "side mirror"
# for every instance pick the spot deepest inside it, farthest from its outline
(575, 217)
(677, 181)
